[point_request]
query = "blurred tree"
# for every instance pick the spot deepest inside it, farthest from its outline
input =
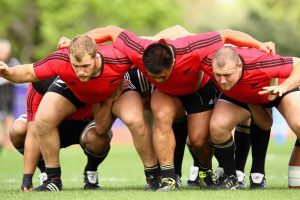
(35, 28)
(274, 20)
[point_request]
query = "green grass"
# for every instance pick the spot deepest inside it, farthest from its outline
(121, 177)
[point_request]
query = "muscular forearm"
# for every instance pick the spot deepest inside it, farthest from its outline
(103, 117)
(293, 81)
(20, 74)
(239, 38)
(31, 151)
(105, 34)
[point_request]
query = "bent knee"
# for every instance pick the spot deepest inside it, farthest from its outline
(219, 130)
(199, 144)
(296, 127)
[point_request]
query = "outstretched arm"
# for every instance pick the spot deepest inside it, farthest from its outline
(104, 34)
(170, 33)
(292, 82)
(110, 33)
(239, 38)
(18, 74)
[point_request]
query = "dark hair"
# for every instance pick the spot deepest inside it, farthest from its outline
(158, 57)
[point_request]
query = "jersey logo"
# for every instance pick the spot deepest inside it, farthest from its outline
(185, 72)
(59, 82)
(113, 81)
(254, 85)
(72, 83)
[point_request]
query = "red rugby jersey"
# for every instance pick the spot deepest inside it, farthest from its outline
(190, 51)
(258, 69)
(97, 89)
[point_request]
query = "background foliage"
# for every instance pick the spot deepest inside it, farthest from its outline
(34, 26)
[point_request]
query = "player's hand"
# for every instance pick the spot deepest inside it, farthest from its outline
(63, 42)
(268, 47)
(26, 189)
(3, 69)
(118, 91)
(273, 90)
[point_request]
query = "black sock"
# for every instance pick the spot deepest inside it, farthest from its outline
(54, 172)
(168, 171)
(203, 168)
(152, 171)
(297, 143)
(242, 146)
(180, 131)
(41, 165)
(20, 150)
(225, 155)
(195, 159)
(94, 161)
(259, 143)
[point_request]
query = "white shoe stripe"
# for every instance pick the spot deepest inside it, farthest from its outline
(52, 187)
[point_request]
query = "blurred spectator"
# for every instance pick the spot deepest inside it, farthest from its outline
(6, 92)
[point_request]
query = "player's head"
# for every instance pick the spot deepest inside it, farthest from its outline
(84, 57)
(158, 60)
(5, 50)
(227, 67)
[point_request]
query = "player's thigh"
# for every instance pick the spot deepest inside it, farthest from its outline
(129, 107)
(289, 107)
(53, 109)
(227, 115)
(198, 125)
(165, 107)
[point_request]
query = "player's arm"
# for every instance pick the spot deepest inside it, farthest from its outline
(239, 38)
(170, 33)
(31, 154)
(103, 116)
(104, 34)
(110, 33)
(100, 35)
(18, 74)
(292, 82)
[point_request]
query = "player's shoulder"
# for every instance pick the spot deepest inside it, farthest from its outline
(61, 54)
(109, 51)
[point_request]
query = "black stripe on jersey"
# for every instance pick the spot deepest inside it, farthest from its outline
(30, 97)
(131, 44)
(207, 61)
(198, 45)
(268, 64)
(65, 56)
(55, 56)
(261, 64)
(193, 46)
(116, 61)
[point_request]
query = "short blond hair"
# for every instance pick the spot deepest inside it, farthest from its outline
(223, 55)
(82, 45)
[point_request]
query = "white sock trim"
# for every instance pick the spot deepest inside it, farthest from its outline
(294, 176)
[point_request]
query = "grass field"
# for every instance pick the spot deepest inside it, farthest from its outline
(121, 177)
